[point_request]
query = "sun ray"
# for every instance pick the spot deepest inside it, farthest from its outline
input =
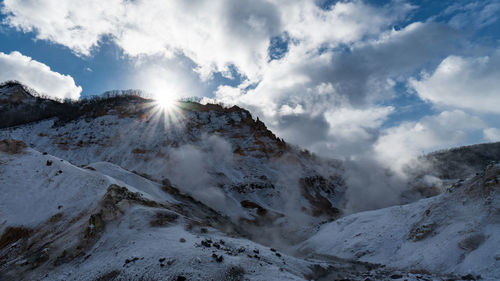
(165, 101)
(166, 110)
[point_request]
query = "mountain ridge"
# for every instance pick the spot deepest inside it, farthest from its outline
(235, 156)
(200, 172)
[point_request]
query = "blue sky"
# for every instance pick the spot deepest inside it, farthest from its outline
(343, 78)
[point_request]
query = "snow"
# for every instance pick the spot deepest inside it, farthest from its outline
(159, 150)
(129, 246)
(134, 182)
(384, 236)
(32, 191)
(113, 167)
(190, 259)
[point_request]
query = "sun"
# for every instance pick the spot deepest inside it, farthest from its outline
(165, 101)
(166, 109)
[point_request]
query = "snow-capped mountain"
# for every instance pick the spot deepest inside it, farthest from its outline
(220, 156)
(120, 188)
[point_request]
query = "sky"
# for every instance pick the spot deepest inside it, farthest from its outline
(347, 79)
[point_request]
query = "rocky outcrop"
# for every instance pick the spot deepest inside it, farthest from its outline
(319, 192)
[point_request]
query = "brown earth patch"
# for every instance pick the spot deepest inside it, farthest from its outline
(252, 205)
(163, 219)
(12, 146)
(13, 234)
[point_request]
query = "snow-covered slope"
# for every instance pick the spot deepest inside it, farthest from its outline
(458, 232)
(122, 189)
(220, 156)
(100, 222)
(36, 187)
(59, 220)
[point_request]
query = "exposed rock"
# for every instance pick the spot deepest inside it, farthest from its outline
(110, 276)
(96, 225)
(206, 243)
(315, 189)
(12, 146)
(217, 258)
(419, 232)
(39, 257)
(468, 277)
(472, 242)
(252, 205)
(13, 234)
(234, 273)
(164, 218)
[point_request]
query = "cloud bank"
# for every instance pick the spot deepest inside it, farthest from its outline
(463, 82)
(15, 66)
(405, 142)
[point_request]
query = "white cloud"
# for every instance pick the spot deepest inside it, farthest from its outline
(329, 102)
(463, 82)
(213, 34)
(352, 124)
(398, 145)
(317, 95)
(172, 78)
(474, 14)
(301, 87)
(329, 90)
(344, 22)
(491, 134)
(75, 24)
(360, 76)
(15, 66)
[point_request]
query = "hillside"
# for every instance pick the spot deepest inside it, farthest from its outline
(120, 188)
(220, 156)
(455, 232)
(460, 162)
(108, 226)
(100, 222)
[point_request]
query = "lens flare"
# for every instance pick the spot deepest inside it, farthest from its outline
(165, 101)
(165, 110)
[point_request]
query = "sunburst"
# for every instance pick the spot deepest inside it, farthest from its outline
(165, 102)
